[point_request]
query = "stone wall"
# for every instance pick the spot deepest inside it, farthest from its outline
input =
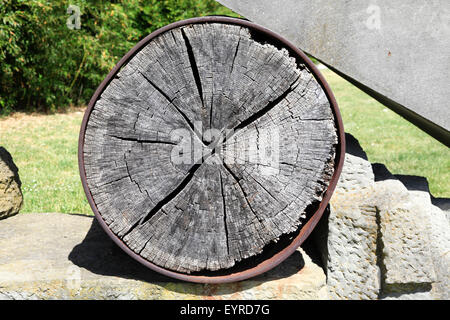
(382, 237)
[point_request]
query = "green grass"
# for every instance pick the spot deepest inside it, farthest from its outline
(44, 147)
(389, 139)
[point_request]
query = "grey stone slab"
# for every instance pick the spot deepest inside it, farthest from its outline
(396, 51)
(62, 256)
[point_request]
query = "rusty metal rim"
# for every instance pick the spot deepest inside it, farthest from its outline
(305, 230)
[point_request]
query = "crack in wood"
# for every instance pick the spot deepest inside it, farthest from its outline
(113, 181)
(142, 140)
(224, 212)
(131, 178)
(265, 189)
(234, 56)
(267, 108)
(211, 112)
(235, 177)
(212, 151)
(193, 64)
(185, 117)
(171, 195)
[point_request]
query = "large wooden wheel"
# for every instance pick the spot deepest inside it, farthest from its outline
(209, 142)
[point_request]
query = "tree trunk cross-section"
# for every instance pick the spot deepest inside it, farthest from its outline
(207, 146)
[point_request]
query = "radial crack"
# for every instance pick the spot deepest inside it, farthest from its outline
(185, 117)
(140, 190)
(254, 117)
(110, 182)
(242, 189)
(211, 111)
(142, 140)
(194, 67)
(129, 174)
(235, 54)
(261, 185)
(224, 212)
(171, 195)
(266, 109)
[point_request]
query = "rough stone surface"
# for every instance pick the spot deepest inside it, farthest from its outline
(437, 229)
(61, 256)
(439, 236)
(404, 225)
(383, 238)
(351, 251)
(347, 236)
(10, 194)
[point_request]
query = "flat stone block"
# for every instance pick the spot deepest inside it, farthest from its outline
(62, 256)
(351, 247)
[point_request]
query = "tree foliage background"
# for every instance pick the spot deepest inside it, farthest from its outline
(45, 66)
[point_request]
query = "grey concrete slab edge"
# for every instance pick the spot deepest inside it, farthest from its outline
(396, 51)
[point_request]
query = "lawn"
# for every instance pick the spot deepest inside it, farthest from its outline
(44, 147)
(389, 139)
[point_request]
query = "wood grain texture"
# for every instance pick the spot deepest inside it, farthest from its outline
(260, 137)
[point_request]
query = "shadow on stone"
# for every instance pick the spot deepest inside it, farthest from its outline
(318, 237)
(100, 255)
(412, 183)
(381, 173)
(399, 290)
(6, 157)
(353, 147)
(443, 204)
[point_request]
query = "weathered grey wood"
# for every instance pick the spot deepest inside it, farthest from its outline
(227, 204)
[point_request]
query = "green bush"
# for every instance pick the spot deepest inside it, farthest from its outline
(45, 66)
